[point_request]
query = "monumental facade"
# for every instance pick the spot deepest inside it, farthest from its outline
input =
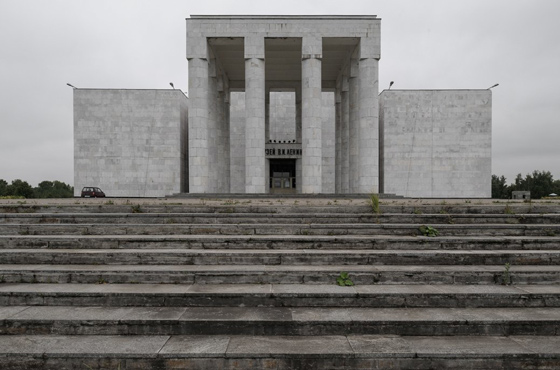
(283, 104)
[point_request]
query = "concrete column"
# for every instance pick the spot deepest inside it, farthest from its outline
(255, 167)
(298, 137)
(222, 141)
(298, 115)
(220, 144)
(227, 145)
(354, 126)
(369, 127)
(328, 150)
(311, 115)
(237, 142)
(213, 126)
(345, 137)
(198, 124)
(298, 175)
(267, 115)
(338, 142)
(267, 175)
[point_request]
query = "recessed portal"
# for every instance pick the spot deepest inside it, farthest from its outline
(282, 176)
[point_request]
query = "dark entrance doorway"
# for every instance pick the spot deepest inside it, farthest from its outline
(283, 176)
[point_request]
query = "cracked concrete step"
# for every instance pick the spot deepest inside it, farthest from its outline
(278, 229)
(278, 352)
(310, 242)
(280, 295)
(279, 257)
(279, 274)
(357, 205)
(71, 320)
(224, 207)
(275, 218)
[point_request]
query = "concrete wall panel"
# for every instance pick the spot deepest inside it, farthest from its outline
(130, 143)
(436, 143)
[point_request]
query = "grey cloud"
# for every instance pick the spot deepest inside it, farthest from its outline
(141, 44)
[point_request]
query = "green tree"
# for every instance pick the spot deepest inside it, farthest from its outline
(3, 187)
(539, 183)
(43, 189)
(542, 184)
(499, 187)
(556, 187)
(53, 189)
(20, 188)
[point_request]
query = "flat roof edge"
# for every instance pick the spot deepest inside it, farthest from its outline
(118, 89)
(409, 90)
(354, 17)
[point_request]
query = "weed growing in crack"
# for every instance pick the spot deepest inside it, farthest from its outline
(136, 209)
(508, 210)
(344, 279)
(374, 202)
(428, 231)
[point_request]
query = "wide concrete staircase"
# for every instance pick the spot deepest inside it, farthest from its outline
(235, 285)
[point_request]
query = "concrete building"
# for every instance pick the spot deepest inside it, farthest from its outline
(436, 144)
(284, 104)
(130, 142)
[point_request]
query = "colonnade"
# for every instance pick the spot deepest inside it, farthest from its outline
(356, 115)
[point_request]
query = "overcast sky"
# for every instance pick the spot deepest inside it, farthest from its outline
(428, 44)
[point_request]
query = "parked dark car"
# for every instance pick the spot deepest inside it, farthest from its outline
(92, 192)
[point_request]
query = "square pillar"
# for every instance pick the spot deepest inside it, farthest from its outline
(198, 122)
(353, 127)
(369, 127)
(255, 167)
(222, 138)
(338, 142)
(345, 136)
(298, 115)
(328, 148)
(213, 126)
(227, 145)
(311, 130)
(237, 142)
(267, 115)
(267, 172)
(298, 176)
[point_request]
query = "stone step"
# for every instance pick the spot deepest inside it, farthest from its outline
(277, 218)
(224, 205)
(280, 295)
(72, 320)
(279, 229)
(280, 274)
(55, 352)
(309, 242)
(279, 257)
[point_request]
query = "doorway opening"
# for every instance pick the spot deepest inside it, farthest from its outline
(283, 176)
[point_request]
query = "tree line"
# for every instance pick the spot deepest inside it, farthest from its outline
(46, 189)
(539, 183)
